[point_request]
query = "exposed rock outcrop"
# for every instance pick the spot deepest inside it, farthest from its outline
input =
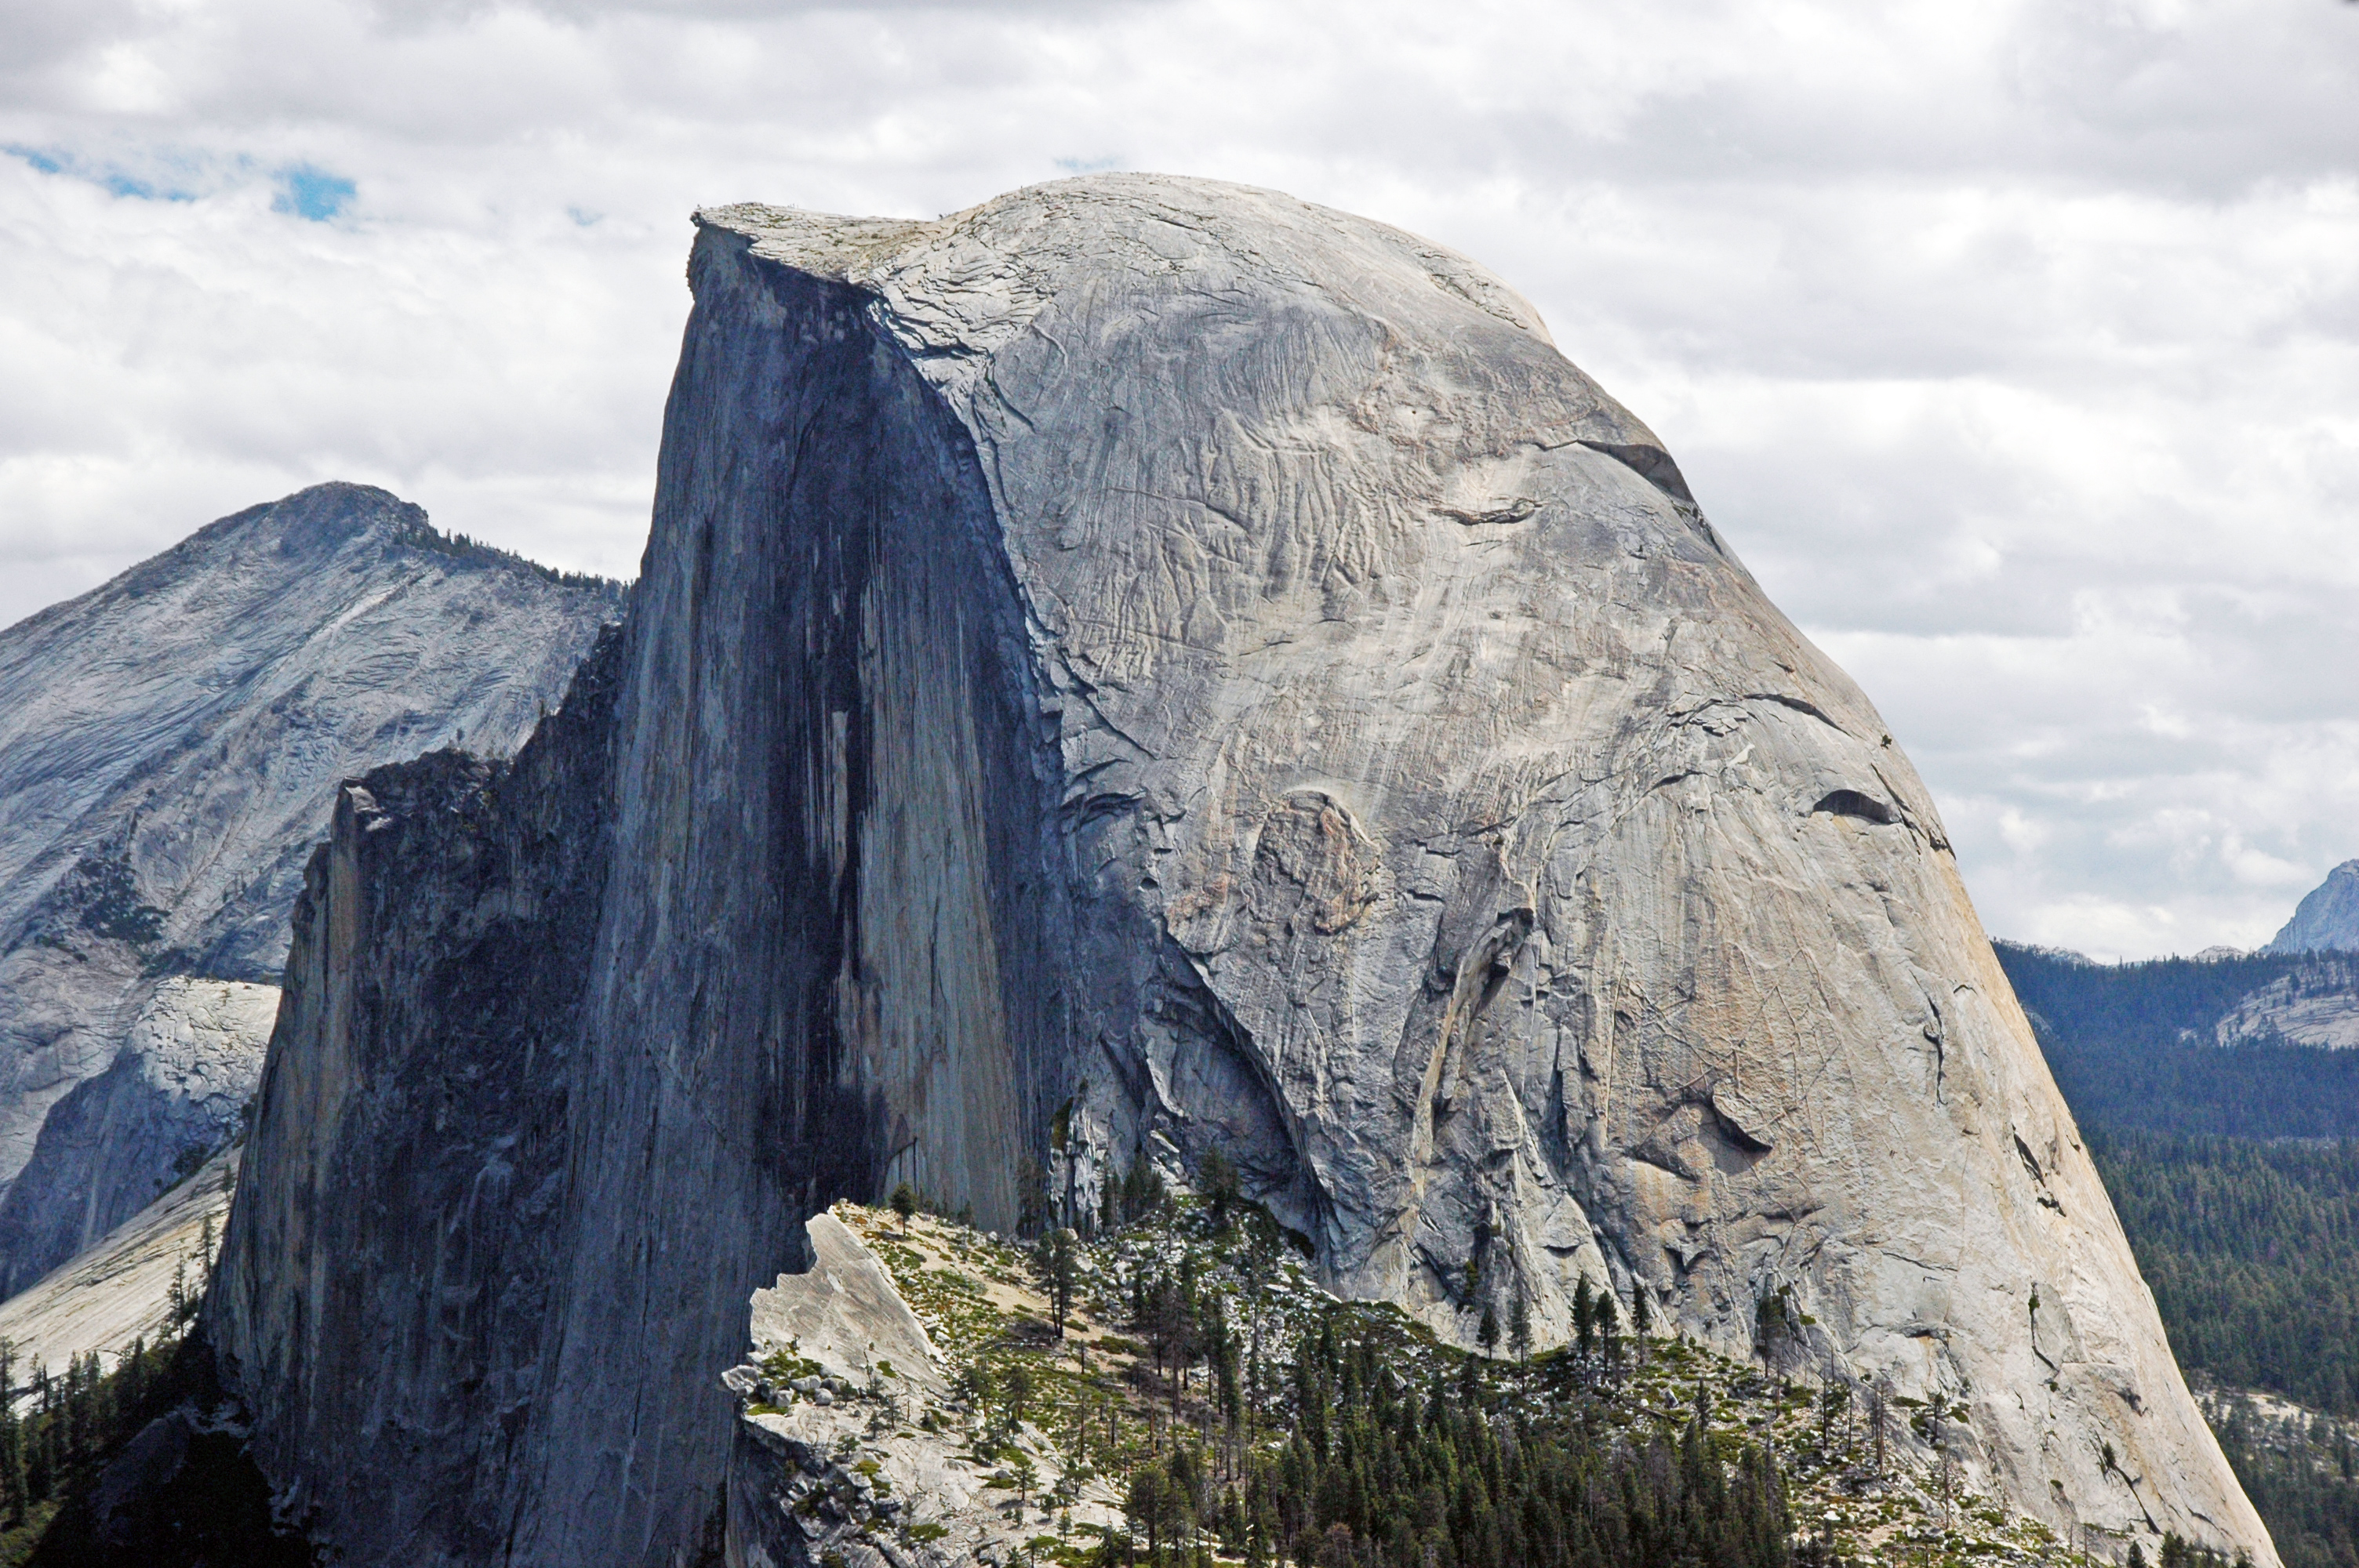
(844, 1314)
(120, 1290)
(859, 1373)
(1137, 667)
(170, 744)
(2317, 1005)
(2327, 918)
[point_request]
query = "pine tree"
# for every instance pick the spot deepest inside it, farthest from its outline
(1064, 1270)
(13, 1499)
(1223, 1189)
(1027, 1475)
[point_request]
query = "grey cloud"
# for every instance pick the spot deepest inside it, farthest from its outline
(2011, 346)
(35, 34)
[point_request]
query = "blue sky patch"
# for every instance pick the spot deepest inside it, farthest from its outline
(313, 194)
(111, 177)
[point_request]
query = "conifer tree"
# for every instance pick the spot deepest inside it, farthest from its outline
(1224, 1190)
(13, 1500)
(1062, 1267)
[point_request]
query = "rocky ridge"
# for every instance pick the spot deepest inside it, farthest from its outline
(170, 743)
(834, 1460)
(2316, 1005)
(2327, 918)
(1141, 668)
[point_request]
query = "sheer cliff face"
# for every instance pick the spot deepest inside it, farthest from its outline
(1144, 667)
(170, 745)
(388, 1280)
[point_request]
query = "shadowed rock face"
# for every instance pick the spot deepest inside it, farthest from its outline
(391, 1276)
(170, 746)
(1146, 665)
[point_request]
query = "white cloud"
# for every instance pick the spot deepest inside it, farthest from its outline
(2016, 346)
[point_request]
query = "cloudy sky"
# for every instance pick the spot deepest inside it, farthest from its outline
(2015, 345)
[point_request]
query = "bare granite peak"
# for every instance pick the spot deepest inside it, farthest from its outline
(1140, 667)
(170, 743)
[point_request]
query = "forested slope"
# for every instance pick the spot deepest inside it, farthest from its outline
(2132, 1046)
(2253, 1252)
(2236, 1172)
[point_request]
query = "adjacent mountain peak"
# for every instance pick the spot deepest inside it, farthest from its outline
(170, 743)
(267, 545)
(301, 528)
(2326, 919)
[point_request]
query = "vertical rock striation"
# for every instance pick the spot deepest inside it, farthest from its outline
(389, 1280)
(170, 744)
(1139, 667)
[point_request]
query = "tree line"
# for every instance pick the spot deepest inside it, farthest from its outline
(2132, 1047)
(1463, 1469)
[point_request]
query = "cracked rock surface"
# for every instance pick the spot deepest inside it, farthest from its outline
(1142, 666)
(844, 1461)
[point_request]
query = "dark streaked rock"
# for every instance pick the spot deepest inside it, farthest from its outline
(170, 745)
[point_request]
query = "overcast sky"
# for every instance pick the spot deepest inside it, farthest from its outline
(2015, 346)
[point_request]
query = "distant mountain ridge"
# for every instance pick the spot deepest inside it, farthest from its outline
(170, 745)
(2328, 919)
(2235, 1047)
